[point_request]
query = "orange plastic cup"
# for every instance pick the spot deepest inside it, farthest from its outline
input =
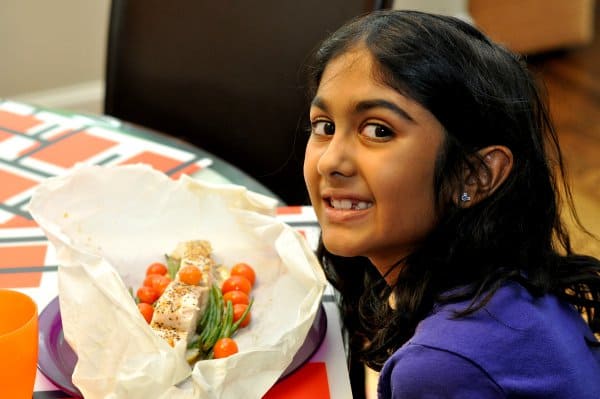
(18, 344)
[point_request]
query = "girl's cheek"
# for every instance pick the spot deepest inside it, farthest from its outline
(310, 168)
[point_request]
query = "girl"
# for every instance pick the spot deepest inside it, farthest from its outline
(434, 171)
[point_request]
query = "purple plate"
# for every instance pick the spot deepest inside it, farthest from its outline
(56, 359)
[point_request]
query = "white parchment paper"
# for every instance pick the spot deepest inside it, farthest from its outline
(108, 224)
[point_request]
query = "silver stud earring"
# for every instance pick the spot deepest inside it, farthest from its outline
(465, 197)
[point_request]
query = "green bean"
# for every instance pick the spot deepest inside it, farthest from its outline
(235, 325)
(207, 314)
(211, 319)
(226, 316)
(227, 321)
(217, 321)
(204, 319)
(215, 329)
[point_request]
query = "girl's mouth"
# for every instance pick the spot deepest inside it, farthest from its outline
(348, 204)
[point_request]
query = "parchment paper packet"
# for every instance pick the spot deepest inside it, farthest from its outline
(107, 224)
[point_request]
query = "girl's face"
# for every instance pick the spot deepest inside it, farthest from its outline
(369, 163)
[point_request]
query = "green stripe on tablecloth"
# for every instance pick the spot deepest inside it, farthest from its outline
(36, 239)
(15, 210)
(16, 164)
(183, 165)
(29, 269)
(108, 159)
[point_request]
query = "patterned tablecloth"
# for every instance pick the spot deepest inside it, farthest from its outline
(38, 143)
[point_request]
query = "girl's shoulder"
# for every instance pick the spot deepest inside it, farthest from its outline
(512, 315)
(419, 371)
(514, 335)
(512, 310)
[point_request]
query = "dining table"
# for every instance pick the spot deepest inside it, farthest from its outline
(37, 143)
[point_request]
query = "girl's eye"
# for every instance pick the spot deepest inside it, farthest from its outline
(376, 131)
(324, 128)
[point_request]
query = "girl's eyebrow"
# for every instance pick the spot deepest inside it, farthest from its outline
(319, 103)
(377, 103)
(366, 105)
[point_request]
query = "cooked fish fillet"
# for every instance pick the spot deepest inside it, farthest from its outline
(171, 336)
(178, 309)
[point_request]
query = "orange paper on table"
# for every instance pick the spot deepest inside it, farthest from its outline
(312, 377)
(18, 344)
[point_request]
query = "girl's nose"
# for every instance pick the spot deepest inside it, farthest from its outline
(338, 158)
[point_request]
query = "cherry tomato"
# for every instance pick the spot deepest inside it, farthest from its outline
(236, 297)
(224, 347)
(147, 294)
(190, 275)
(245, 270)
(150, 280)
(238, 310)
(160, 284)
(236, 283)
(146, 310)
(156, 268)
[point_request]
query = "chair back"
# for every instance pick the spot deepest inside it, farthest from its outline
(224, 76)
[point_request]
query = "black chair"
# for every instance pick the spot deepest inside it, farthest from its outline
(224, 76)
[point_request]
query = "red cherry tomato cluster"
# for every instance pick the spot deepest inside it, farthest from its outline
(236, 289)
(154, 285)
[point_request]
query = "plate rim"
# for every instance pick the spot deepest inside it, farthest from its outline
(50, 316)
(318, 328)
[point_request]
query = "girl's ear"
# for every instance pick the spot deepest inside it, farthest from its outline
(482, 180)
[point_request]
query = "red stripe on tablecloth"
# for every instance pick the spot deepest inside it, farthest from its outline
(18, 221)
(20, 280)
(13, 184)
(157, 161)
(20, 123)
(188, 170)
(21, 256)
(289, 210)
(4, 135)
(312, 377)
(76, 148)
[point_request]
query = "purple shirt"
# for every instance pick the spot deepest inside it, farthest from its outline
(517, 346)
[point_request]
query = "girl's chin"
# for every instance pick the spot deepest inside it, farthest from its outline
(340, 249)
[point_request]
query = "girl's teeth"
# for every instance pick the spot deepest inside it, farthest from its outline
(348, 204)
(362, 205)
(341, 204)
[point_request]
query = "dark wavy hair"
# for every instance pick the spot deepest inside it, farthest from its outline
(483, 95)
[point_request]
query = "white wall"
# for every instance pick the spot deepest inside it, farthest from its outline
(53, 52)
